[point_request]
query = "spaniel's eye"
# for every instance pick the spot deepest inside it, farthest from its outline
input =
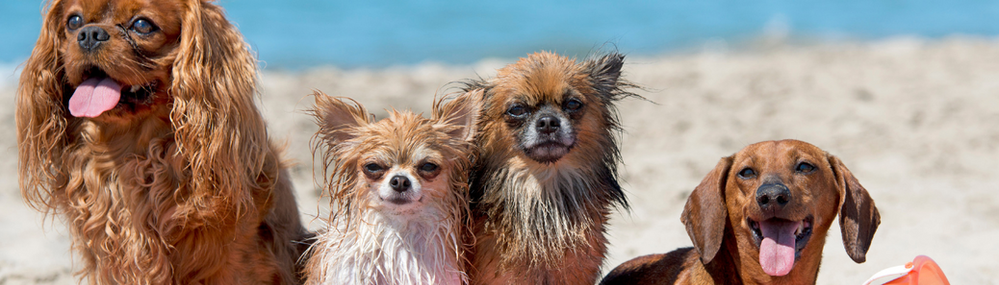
(143, 26)
(74, 22)
(517, 111)
(373, 168)
(573, 105)
(429, 167)
(805, 167)
(747, 173)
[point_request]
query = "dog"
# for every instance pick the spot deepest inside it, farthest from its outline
(399, 187)
(547, 175)
(136, 123)
(761, 217)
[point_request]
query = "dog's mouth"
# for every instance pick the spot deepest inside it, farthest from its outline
(99, 93)
(780, 242)
(548, 152)
(400, 199)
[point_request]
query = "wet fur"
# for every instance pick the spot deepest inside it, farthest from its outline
(185, 189)
(365, 241)
(716, 212)
(544, 223)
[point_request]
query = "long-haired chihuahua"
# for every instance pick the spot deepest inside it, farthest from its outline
(399, 193)
(546, 178)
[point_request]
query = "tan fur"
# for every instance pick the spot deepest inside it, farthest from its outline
(716, 218)
(183, 188)
(370, 240)
(543, 222)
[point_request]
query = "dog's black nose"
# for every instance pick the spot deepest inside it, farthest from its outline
(91, 37)
(400, 183)
(772, 195)
(548, 124)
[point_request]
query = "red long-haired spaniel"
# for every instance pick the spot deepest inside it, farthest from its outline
(136, 123)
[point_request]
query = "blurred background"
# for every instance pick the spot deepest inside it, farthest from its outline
(297, 34)
(905, 93)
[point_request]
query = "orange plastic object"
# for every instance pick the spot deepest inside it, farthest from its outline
(923, 271)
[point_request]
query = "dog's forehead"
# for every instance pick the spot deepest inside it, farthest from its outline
(403, 138)
(541, 78)
(94, 10)
(396, 152)
(123, 11)
(779, 153)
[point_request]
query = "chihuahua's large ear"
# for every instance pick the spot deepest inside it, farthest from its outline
(705, 215)
(858, 217)
(458, 115)
(605, 72)
(338, 117)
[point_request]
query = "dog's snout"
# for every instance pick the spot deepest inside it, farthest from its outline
(91, 37)
(400, 183)
(548, 124)
(772, 195)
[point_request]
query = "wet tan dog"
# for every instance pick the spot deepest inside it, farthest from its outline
(753, 217)
(400, 193)
(546, 178)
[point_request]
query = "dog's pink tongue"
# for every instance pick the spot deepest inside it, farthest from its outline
(777, 248)
(94, 96)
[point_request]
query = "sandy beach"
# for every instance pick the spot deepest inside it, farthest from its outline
(917, 122)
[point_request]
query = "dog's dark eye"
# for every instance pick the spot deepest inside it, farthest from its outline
(573, 105)
(517, 111)
(805, 167)
(74, 22)
(373, 168)
(747, 173)
(429, 167)
(143, 26)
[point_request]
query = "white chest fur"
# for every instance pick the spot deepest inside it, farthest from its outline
(406, 248)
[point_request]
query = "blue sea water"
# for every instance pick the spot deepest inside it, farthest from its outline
(295, 34)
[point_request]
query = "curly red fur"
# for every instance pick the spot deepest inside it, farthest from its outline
(188, 191)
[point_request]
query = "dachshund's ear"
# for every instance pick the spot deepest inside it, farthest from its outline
(459, 115)
(858, 217)
(605, 72)
(40, 115)
(213, 86)
(705, 214)
(338, 118)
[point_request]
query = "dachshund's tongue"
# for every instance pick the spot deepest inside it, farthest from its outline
(94, 96)
(777, 247)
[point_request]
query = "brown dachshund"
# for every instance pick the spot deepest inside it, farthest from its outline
(761, 217)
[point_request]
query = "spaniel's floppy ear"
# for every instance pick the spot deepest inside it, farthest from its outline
(705, 215)
(41, 118)
(459, 115)
(338, 117)
(217, 126)
(858, 217)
